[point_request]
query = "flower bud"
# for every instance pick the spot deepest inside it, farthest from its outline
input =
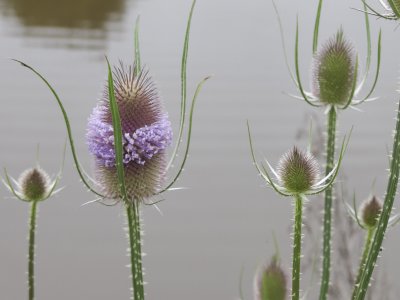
(271, 283)
(333, 71)
(370, 211)
(34, 184)
(298, 171)
(146, 133)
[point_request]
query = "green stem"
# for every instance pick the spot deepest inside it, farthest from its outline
(367, 246)
(297, 248)
(327, 231)
(376, 245)
(31, 252)
(132, 212)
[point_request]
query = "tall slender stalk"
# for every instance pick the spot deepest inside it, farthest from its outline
(327, 230)
(375, 249)
(31, 252)
(297, 248)
(135, 245)
(367, 246)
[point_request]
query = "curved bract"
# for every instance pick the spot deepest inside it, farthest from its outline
(391, 7)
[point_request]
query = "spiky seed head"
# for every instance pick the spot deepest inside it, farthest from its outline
(298, 171)
(271, 283)
(34, 184)
(370, 211)
(333, 71)
(146, 133)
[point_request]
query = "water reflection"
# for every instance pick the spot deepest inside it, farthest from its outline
(65, 23)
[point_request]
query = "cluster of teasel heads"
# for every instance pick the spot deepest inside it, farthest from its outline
(128, 134)
(335, 86)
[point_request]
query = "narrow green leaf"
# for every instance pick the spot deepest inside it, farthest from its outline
(316, 27)
(68, 126)
(183, 86)
(353, 86)
(189, 135)
(378, 66)
(296, 61)
(283, 44)
(116, 121)
(137, 48)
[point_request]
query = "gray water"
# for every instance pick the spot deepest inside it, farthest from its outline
(223, 223)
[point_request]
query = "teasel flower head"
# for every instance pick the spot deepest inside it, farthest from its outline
(335, 75)
(370, 211)
(334, 72)
(297, 172)
(271, 282)
(146, 135)
(33, 184)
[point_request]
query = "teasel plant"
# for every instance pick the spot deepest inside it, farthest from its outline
(391, 8)
(334, 87)
(270, 282)
(297, 175)
(128, 134)
(33, 186)
(385, 219)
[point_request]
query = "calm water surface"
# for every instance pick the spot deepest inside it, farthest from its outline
(206, 234)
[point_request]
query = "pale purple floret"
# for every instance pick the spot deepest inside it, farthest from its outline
(139, 146)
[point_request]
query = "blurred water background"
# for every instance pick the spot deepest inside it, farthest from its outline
(220, 226)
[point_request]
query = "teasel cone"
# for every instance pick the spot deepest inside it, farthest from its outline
(271, 282)
(333, 71)
(146, 133)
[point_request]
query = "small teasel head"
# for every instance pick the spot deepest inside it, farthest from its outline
(333, 71)
(298, 171)
(34, 184)
(271, 282)
(370, 211)
(146, 134)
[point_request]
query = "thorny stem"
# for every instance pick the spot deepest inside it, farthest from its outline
(377, 241)
(367, 246)
(297, 248)
(133, 217)
(31, 252)
(327, 230)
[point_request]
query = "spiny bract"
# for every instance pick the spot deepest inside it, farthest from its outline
(333, 71)
(298, 171)
(146, 133)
